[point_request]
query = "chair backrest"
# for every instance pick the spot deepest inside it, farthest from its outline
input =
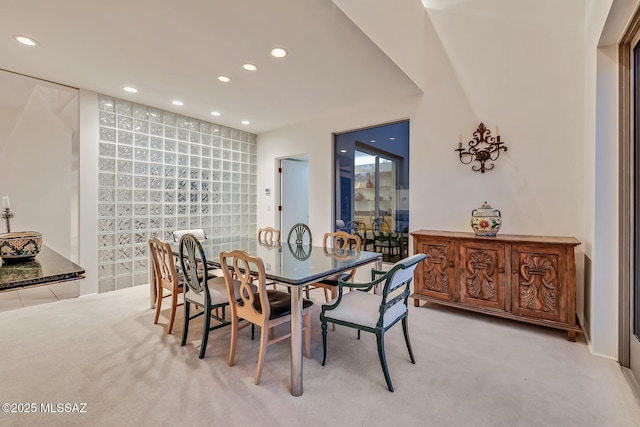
(164, 267)
(341, 240)
(249, 271)
(193, 261)
(397, 283)
(299, 232)
(268, 235)
(198, 232)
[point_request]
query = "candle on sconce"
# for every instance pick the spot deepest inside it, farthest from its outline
(460, 141)
(497, 130)
(5, 202)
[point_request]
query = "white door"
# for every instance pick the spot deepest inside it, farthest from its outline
(294, 194)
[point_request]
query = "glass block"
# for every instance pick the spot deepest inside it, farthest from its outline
(183, 147)
(216, 164)
(193, 197)
(140, 237)
(125, 152)
(106, 210)
(107, 119)
(182, 210)
(169, 171)
(106, 226)
(140, 210)
(140, 112)
(206, 152)
(155, 169)
(183, 135)
(204, 198)
(123, 107)
(140, 195)
(206, 140)
(106, 103)
(182, 184)
(125, 137)
(205, 128)
(107, 165)
(205, 220)
(194, 222)
(170, 158)
(125, 123)
(124, 252)
(155, 223)
(141, 140)
(182, 122)
(225, 131)
(125, 166)
(107, 134)
(182, 197)
(155, 115)
(215, 130)
(124, 195)
(107, 150)
(206, 163)
(107, 180)
(215, 198)
(125, 181)
(140, 251)
(215, 175)
(169, 210)
(194, 125)
(170, 223)
(141, 181)
(106, 195)
(226, 155)
(215, 209)
(170, 132)
(194, 137)
(155, 156)
(155, 209)
(155, 196)
(155, 183)
(156, 129)
(107, 284)
(169, 184)
(170, 145)
(226, 187)
(252, 140)
(106, 270)
(156, 143)
(169, 118)
(123, 224)
(124, 269)
(140, 224)
(235, 134)
(225, 210)
(106, 256)
(194, 173)
(216, 153)
(194, 162)
(141, 126)
(141, 168)
(169, 197)
(124, 210)
(194, 209)
(183, 161)
(226, 177)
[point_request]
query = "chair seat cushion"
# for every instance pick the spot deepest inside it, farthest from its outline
(280, 303)
(363, 308)
(217, 292)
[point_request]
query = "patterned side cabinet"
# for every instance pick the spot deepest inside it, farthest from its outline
(526, 278)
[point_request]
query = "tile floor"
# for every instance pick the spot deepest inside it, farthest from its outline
(25, 297)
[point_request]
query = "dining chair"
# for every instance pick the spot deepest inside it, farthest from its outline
(374, 313)
(264, 308)
(199, 234)
(341, 242)
(202, 291)
(269, 236)
(299, 232)
(166, 277)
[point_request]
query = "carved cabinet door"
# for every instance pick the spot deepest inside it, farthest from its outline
(484, 270)
(539, 282)
(436, 277)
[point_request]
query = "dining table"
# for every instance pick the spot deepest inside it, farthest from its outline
(292, 265)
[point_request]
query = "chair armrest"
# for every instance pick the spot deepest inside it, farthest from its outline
(342, 283)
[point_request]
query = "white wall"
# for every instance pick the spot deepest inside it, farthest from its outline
(516, 65)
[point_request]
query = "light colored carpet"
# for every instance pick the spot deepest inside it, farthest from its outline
(472, 370)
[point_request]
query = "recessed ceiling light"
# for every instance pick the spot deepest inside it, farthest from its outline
(215, 113)
(245, 122)
(392, 139)
(373, 140)
(278, 52)
(27, 41)
(249, 67)
(130, 89)
(224, 79)
(343, 151)
(177, 102)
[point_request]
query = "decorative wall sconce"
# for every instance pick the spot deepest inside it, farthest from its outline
(482, 148)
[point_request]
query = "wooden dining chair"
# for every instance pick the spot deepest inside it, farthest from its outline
(200, 290)
(166, 278)
(264, 308)
(374, 313)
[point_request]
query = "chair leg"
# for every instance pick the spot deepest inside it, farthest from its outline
(326, 295)
(205, 331)
(405, 328)
(234, 340)
(383, 359)
(264, 342)
(158, 305)
(185, 328)
(307, 334)
(324, 342)
(174, 303)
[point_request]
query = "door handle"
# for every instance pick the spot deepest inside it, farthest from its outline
(451, 264)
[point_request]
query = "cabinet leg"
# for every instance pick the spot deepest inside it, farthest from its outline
(571, 336)
(416, 302)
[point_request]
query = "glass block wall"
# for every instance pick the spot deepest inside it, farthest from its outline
(159, 172)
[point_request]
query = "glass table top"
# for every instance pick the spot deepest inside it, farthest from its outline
(288, 262)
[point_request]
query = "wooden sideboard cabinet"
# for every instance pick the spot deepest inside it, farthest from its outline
(525, 278)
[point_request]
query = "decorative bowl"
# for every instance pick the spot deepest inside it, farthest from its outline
(20, 246)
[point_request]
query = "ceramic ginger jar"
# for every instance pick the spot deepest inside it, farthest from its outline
(485, 220)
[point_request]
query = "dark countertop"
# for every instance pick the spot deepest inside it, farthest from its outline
(48, 266)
